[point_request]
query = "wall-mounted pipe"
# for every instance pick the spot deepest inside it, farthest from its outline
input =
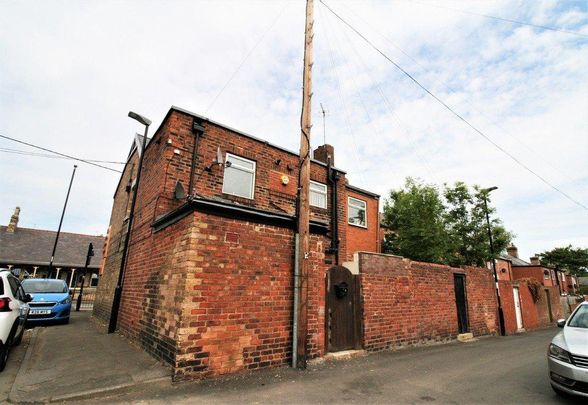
(198, 131)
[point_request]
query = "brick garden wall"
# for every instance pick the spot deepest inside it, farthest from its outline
(534, 314)
(410, 303)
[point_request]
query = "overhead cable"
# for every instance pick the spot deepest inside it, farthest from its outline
(59, 153)
(455, 113)
(543, 27)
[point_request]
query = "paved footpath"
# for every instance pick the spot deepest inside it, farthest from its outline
(496, 370)
(75, 361)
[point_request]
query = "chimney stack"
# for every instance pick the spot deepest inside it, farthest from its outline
(13, 221)
(512, 251)
(535, 260)
(323, 152)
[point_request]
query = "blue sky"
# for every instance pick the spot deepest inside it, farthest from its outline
(70, 72)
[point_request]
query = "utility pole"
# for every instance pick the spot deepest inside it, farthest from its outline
(303, 192)
(61, 221)
(485, 193)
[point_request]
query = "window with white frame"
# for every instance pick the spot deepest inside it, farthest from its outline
(239, 178)
(356, 212)
(318, 194)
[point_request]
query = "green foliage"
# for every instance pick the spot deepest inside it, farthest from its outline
(415, 217)
(449, 228)
(573, 259)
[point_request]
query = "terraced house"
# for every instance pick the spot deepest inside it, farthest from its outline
(208, 285)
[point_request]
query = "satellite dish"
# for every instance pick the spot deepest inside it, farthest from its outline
(219, 157)
(179, 193)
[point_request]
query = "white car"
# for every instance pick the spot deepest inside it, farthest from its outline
(568, 354)
(14, 311)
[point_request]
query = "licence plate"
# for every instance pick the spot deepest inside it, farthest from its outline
(40, 311)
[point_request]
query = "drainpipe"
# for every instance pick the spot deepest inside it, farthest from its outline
(198, 131)
(333, 178)
(296, 301)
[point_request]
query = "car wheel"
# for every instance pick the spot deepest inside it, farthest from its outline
(3, 356)
(560, 392)
(65, 321)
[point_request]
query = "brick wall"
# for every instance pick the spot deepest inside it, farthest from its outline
(237, 304)
(114, 243)
(358, 238)
(534, 314)
(411, 303)
(536, 272)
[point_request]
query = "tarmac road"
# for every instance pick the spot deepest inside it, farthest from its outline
(495, 370)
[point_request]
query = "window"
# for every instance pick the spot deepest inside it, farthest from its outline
(318, 194)
(239, 177)
(356, 210)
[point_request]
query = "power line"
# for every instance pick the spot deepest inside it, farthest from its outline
(451, 89)
(543, 27)
(46, 155)
(59, 153)
(455, 113)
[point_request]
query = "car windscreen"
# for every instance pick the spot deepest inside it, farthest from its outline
(580, 318)
(44, 286)
(1, 286)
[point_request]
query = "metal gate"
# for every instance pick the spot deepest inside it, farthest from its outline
(343, 310)
(84, 292)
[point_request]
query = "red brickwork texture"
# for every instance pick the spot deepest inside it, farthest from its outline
(411, 303)
(534, 314)
(363, 239)
(115, 241)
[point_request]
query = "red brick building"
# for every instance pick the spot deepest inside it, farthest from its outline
(208, 286)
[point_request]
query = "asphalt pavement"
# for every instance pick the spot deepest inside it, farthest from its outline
(494, 370)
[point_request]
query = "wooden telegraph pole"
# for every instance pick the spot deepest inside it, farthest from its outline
(303, 191)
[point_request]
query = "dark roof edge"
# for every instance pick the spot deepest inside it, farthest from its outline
(235, 211)
(179, 109)
(361, 190)
(62, 232)
(35, 263)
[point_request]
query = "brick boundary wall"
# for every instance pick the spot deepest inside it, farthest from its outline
(535, 315)
(408, 303)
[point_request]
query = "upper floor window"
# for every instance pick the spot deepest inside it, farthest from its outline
(239, 178)
(356, 212)
(318, 194)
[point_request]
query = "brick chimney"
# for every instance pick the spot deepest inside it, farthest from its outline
(512, 251)
(323, 152)
(535, 260)
(13, 221)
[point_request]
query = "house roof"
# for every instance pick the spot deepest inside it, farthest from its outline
(28, 246)
(515, 260)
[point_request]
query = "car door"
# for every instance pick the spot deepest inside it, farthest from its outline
(19, 298)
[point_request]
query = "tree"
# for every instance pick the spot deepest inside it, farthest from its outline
(451, 230)
(573, 259)
(465, 219)
(414, 216)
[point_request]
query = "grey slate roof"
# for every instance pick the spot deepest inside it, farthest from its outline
(515, 260)
(34, 246)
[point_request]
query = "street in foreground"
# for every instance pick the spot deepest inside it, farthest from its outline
(493, 370)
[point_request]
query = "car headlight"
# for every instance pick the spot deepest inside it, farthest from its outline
(559, 353)
(65, 301)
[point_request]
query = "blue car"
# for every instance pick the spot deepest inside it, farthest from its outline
(51, 300)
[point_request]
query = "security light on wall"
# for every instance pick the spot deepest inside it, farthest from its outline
(218, 161)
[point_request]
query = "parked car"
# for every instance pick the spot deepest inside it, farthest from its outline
(13, 313)
(51, 300)
(568, 354)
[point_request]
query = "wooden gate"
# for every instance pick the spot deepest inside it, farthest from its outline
(343, 310)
